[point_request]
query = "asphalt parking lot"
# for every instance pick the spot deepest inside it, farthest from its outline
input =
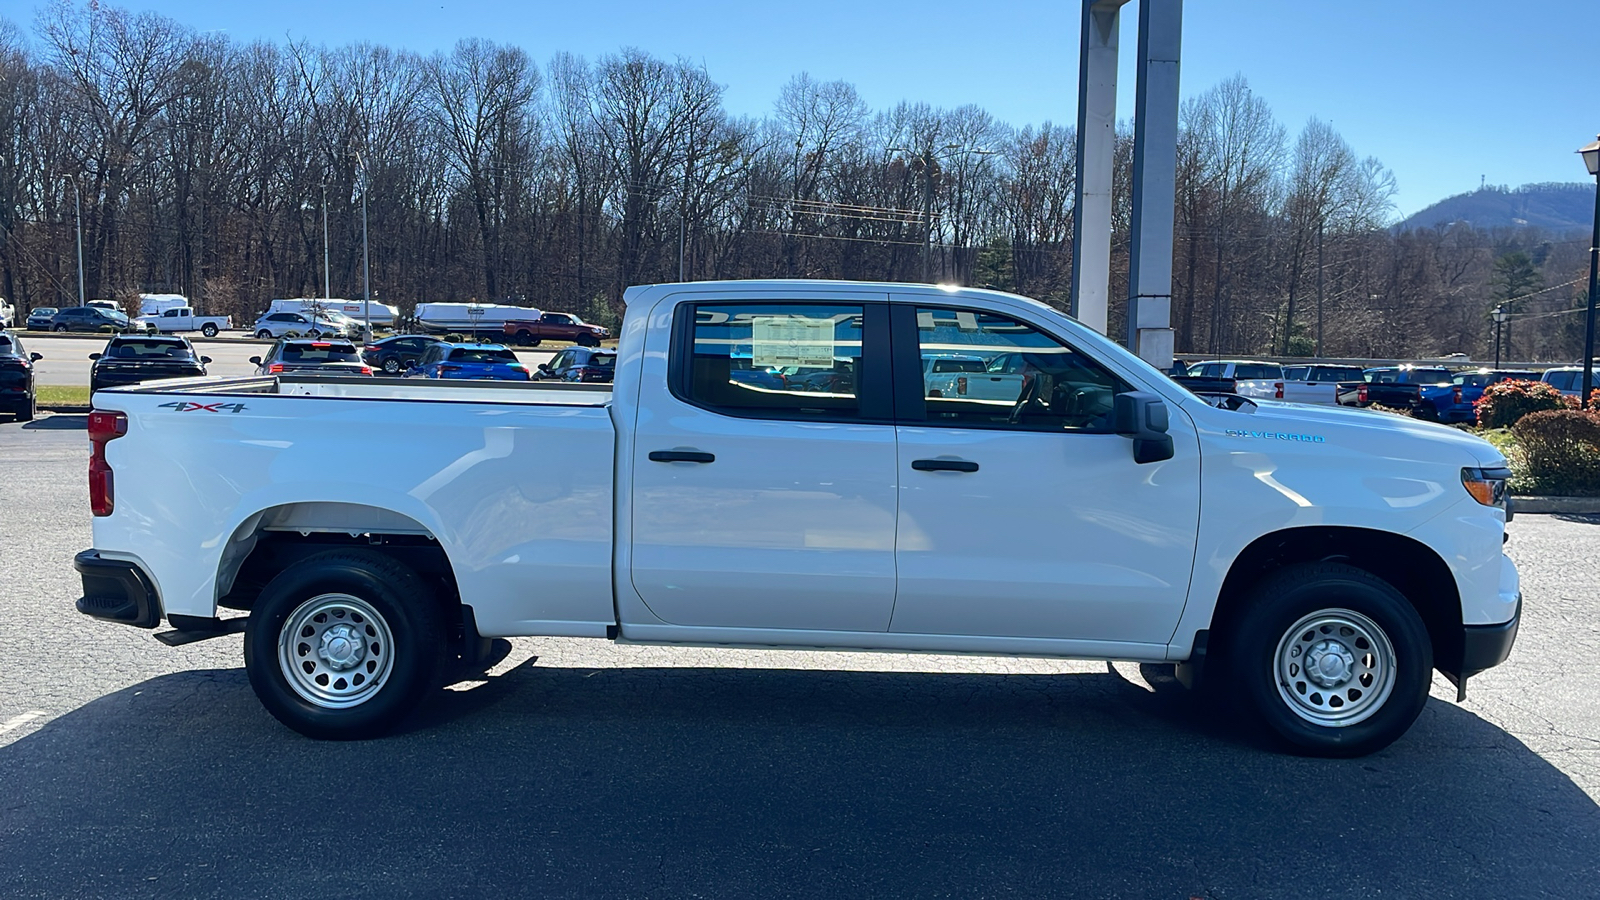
(66, 358)
(128, 768)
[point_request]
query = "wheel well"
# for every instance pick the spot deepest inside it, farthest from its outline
(1412, 567)
(276, 538)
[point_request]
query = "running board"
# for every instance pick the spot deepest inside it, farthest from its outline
(190, 629)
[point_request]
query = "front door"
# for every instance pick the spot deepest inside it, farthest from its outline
(1020, 514)
(763, 497)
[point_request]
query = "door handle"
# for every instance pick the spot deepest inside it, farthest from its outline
(694, 456)
(944, 465)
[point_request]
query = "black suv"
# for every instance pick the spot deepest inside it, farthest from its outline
(16, 378)
(90, 318)
(130, 359)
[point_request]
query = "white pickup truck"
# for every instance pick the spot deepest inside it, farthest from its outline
(1313, 384)
(182, 318)
(1311, 566)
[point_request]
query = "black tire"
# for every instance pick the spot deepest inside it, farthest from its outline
(406, 609)
(209, 330)
(61, 329)
(527, 340)
(26, 412)
(392, 365)
(1329, 604)
(263, 335)
(588, 340)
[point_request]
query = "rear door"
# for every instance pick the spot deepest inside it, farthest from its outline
(1024, 516)
(758, 503)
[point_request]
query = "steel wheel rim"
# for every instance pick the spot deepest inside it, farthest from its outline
(336, 651)
(1334, 668)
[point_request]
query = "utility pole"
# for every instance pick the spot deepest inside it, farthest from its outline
(683, 213)
(927, 217)
(79, 198)
(1319, 287)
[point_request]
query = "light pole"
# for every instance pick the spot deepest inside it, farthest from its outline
(1591, 159)
(79, 198)
(327, 291)
(928, 157)
(1500, 317)
(366, 268)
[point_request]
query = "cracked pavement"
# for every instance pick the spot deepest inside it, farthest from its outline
(131, 769)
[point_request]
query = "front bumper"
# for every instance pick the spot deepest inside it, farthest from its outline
(117, 591)
(1486, 646)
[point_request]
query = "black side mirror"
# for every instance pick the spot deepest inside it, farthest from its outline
(205, 359)
(254, 359)
(545, 368)
(35, 357)
(94, 356)
(1142, 417)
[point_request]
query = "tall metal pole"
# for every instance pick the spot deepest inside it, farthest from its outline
(1588, 319)
(79, 198)
(327, 291)
(366, 267)
(1319, 287)
(927, 217)
(1499, 319)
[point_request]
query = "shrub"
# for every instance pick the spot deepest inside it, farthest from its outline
(1558, 452)
(1504, 403)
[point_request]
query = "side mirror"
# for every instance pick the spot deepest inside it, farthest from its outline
(94, 356)
(35, 357)
(545, 368)
(254, 359)
(1142, 417)
(205, 359)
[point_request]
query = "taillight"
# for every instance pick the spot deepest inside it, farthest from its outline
(103, 427)
(1277, 389)
(444, 368)
(275, 368)
(366, 370)
(1361, 394)
(1457, 392)
(961, 385)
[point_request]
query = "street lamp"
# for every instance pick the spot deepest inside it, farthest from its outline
(1500, 317)
(1591, 160)
(79, 199)
(366, 267)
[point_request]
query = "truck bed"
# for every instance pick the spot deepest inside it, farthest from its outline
(364, 388)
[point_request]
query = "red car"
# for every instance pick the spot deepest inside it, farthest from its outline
(554, 326)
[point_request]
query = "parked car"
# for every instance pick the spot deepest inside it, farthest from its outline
(1459, 403)
(1318, 565)
(1397, 387)
(93, 318)
(311, 356)
(382, 316)
(554, 326)
(131, 359)
(395, 355)
(585, 364)
(277, 325)
(1315, 384)
(17, 392)
(444, 360)
(181, 318)
(1253, 379)
(8, 314)
(1566, 378)
(39, 319)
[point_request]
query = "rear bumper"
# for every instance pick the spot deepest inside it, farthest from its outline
(116, 590)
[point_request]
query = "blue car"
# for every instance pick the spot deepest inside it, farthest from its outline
(1457, 402)
(470, 361)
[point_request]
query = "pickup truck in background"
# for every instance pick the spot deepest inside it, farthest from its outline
(1313, 384)
(554, 326)
(1256, 380)
(1397, 387)
(182, 318)
(1460, 402)
(1312, 566)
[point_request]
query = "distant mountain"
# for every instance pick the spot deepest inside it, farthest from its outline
(1554, 207)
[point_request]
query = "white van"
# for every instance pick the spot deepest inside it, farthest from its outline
(382, 315)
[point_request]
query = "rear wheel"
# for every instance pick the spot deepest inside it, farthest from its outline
(264, 335)
(26, 411)
(1331, 659)
(392, 365)
(61, 329)
(588, 340)
(209, 329)
(343, 645)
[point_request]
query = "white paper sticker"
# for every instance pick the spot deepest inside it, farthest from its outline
(791, 341)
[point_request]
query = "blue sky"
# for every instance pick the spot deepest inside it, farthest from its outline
(1442, 92)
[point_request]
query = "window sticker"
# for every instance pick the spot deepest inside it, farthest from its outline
(791, 341)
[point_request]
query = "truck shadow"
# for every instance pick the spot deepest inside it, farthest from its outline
(59, 422)
(767, 782)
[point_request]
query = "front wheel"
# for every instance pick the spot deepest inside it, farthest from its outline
(264, 335)
(344, 644)
(1331, 659)
(209, 330)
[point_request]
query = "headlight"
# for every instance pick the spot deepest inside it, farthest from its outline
(1487, 486)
